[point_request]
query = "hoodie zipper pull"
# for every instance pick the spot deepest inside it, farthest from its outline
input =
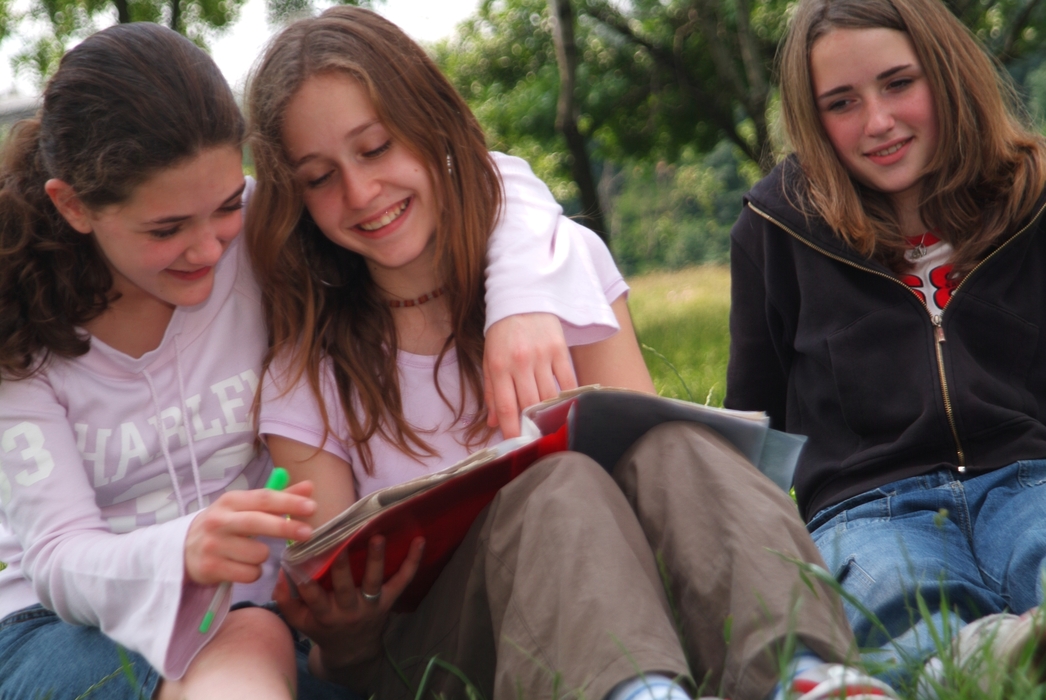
(938, 335)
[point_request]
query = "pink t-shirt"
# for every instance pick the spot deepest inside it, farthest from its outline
(294, 414)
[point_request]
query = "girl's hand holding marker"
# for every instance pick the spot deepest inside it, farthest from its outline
(220, 545)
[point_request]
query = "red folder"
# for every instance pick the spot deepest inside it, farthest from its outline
(442, 515)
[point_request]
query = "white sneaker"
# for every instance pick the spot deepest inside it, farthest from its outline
(990, 648)
(837, 681)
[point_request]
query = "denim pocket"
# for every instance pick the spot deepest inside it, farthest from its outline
(851, 533)
(853, 577)
(1031, 472)
(33, 612)
(874, 504)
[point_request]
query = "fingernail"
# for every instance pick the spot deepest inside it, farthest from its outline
(304, 532)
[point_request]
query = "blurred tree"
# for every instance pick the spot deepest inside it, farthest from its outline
(673, 215)
(48, 27)
(655, 77)
(503, 61)
(710, 61)
(1011, 29)
(567, 115)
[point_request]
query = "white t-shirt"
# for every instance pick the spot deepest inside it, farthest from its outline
(295, 413)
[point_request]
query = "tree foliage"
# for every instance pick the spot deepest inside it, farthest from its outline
(657, 76)
(48, 27)
(661, 83)
(1011, 29)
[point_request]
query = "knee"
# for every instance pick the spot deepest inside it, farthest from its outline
(1026, 569)
(567, 473)
(248, 638)
(251, 655)
(557, 489)
(685, 458)
(684, 447)
(257, 630)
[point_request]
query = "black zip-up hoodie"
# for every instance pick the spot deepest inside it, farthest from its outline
(835, 347)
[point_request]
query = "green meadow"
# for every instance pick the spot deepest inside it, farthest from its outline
(681, 318)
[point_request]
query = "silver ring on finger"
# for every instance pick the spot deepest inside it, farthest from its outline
(371, 597)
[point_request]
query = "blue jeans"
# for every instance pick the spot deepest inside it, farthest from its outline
(968, 545)
(43, 657)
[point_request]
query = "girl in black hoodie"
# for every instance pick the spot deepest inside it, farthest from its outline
(887, 302)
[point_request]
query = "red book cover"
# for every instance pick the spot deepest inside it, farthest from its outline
(441, 514)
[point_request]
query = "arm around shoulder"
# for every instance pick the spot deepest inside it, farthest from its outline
(535, 262)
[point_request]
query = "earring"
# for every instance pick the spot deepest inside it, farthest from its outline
(450, 165)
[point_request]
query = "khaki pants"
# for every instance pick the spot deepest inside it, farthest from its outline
(556, 591)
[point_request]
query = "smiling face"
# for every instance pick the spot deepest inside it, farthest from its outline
(162, 243)
(366, 191)
(876, 106)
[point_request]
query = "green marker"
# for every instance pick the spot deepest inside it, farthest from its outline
(278, 481)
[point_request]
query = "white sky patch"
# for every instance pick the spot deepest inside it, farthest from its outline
(236, 50)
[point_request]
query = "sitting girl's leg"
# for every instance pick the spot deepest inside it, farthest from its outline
(722, 530)
(554, 590)
(889, 549)
(573, 585)
(251, 656)
(1010, 530)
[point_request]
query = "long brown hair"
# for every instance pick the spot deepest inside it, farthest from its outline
(124, 104)
(989, 168)
(319, 299)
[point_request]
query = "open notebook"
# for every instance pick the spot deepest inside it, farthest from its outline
(441, 507)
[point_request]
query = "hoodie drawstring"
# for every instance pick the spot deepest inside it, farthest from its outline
(188, 433)
(185, 422)
(163, 445)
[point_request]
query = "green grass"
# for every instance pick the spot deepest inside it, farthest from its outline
(681, 318)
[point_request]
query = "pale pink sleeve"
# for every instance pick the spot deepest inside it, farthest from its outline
(132, 585)
(599, 266)
(290, 410)
(540, 261)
